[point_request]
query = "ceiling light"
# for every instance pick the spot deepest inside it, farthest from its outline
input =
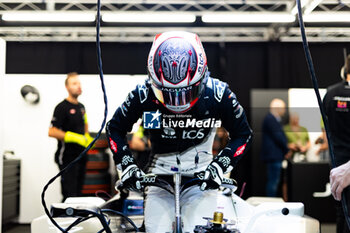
(154, 17)
(49, 16)
(327, 17)
(248, 17)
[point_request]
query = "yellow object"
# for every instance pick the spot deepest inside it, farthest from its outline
(218, 218)
(85, 119)
(322, 123)
(89, 139)
(83, 140)
(140, 132)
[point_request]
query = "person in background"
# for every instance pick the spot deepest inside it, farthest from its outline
(297, 137)
(322, 141)
(274, 145)
(337, 107)
(70, 127)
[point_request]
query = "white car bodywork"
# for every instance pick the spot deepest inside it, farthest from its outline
(256, 215)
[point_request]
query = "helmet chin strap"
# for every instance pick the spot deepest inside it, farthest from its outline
(315, 85)
(178, 109)
(182, 108)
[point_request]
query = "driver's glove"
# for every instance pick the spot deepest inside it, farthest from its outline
(214, 173)
(131, 174)
(212, 177)
(131, 177)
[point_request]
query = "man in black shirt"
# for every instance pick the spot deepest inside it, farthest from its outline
(69, 126)
(337, 106)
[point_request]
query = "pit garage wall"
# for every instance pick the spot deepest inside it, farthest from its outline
(25, 128)
(2, 74)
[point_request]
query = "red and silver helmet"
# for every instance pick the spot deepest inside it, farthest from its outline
(177, 69)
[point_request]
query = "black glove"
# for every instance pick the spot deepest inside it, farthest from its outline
(214, 173)
(131, 177)
(211, 177)
(131, 174)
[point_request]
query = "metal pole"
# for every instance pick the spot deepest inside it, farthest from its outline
(177, 183)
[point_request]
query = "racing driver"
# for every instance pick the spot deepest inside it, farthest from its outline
(181, 106)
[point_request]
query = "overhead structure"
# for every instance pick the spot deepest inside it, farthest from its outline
(139, 20)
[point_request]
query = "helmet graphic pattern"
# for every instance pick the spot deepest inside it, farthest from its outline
(177, 69)
(175, 60)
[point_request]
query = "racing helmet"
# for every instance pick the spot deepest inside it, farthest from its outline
(177, 69)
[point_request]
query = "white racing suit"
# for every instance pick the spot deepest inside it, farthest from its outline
(180, 142)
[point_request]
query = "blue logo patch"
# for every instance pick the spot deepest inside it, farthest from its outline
(151, 120)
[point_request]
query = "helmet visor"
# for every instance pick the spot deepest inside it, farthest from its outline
(178, 99)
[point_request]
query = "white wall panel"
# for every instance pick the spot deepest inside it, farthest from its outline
(26, 128)
(2, 74)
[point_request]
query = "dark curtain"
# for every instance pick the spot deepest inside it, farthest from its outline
(243, 65)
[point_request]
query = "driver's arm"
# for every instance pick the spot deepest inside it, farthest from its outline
(235, 122)
(121, 123)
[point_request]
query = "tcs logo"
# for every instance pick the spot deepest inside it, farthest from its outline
(193, 134)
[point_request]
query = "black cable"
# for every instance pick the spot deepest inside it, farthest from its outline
(314, 81)
(319, 100)
(76, 222)
(124, 216)
(102, 219)
(108, 222)
(98, 22)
